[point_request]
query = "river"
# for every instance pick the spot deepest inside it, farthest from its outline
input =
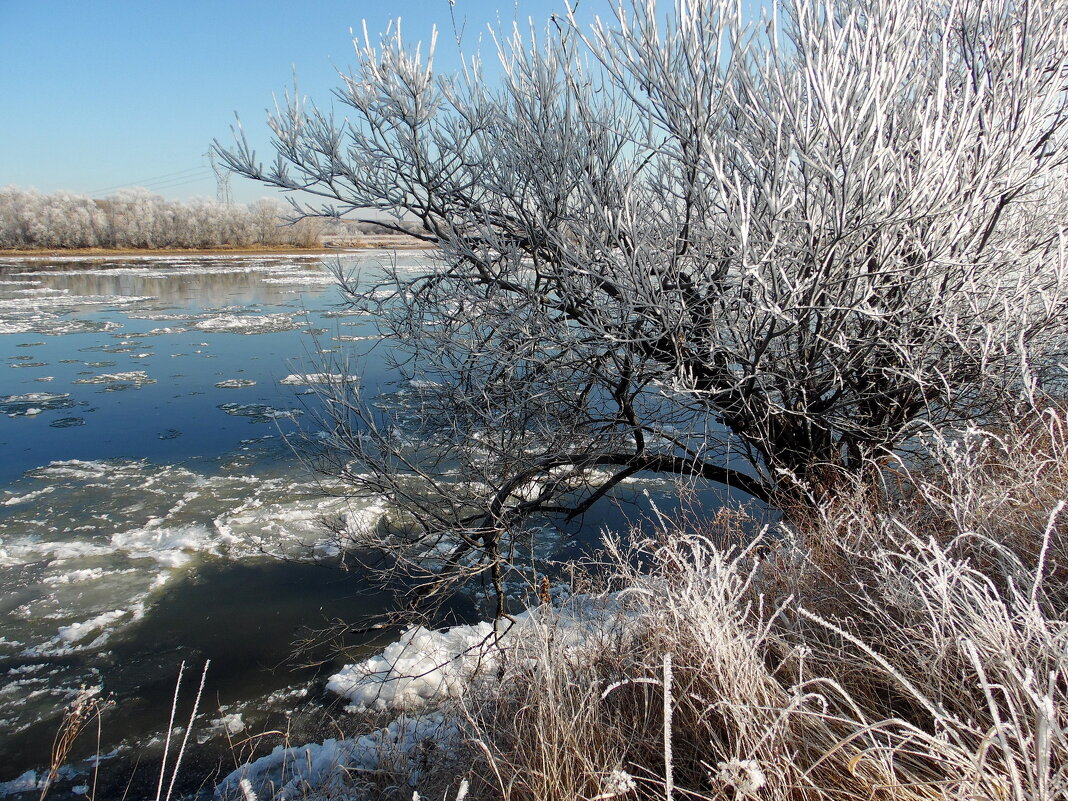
(152, 511)
(147, 491)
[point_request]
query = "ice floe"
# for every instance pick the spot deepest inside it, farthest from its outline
(246, 323)
(79, 631)
(137, 377)
(31, 403)
(311, 379)
(67, 422)
(236, 383)
(259, 412)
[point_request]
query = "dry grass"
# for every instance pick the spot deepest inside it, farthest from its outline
(82, 713)
(908, 644)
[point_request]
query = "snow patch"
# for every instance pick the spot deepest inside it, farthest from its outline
(427, 667)
(318, 770)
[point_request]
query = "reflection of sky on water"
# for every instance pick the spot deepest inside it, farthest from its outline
(142, 417)
(195, 324)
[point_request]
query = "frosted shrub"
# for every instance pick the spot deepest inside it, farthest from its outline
(762, 255)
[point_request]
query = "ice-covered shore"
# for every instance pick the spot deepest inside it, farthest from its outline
(416, 677)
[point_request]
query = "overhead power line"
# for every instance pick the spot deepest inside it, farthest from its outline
(160, 181)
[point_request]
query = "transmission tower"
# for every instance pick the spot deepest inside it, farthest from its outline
(222, 179)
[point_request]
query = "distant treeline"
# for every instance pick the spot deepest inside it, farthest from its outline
(137, 218)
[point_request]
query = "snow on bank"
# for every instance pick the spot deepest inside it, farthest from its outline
(414, 676)
(426, 667)
(324, 770)
(422, 667)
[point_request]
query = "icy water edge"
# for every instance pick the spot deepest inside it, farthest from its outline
(146, 495)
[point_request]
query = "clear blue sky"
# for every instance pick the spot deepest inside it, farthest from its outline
(101, 93)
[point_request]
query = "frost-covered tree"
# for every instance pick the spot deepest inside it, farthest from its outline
(138, 218)
(673, 243)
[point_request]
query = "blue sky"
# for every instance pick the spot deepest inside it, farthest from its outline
(102, 93)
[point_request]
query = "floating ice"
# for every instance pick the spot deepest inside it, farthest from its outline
(236, 383)
(85, 546)
(232, 723)
(34, 403)
(259, 412)
(168, 330)
(61, 300)
(137, 377)
(309, 379)
(345, 313)
(303, 278)
(68, 422)
(76, 632)
(170, 546)
(76, 576)
(247, 324)
(298, 525)
(25, 783)
(30, 496)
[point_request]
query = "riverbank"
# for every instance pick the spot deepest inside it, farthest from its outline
(329, 247)
(904, 647)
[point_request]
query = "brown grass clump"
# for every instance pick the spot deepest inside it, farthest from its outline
(904, 644)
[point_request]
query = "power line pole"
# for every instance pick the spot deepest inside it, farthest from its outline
(222, 179)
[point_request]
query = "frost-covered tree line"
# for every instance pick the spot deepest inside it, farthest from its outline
(138, 218)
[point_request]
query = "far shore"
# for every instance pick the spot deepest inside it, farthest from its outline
(328, 248)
